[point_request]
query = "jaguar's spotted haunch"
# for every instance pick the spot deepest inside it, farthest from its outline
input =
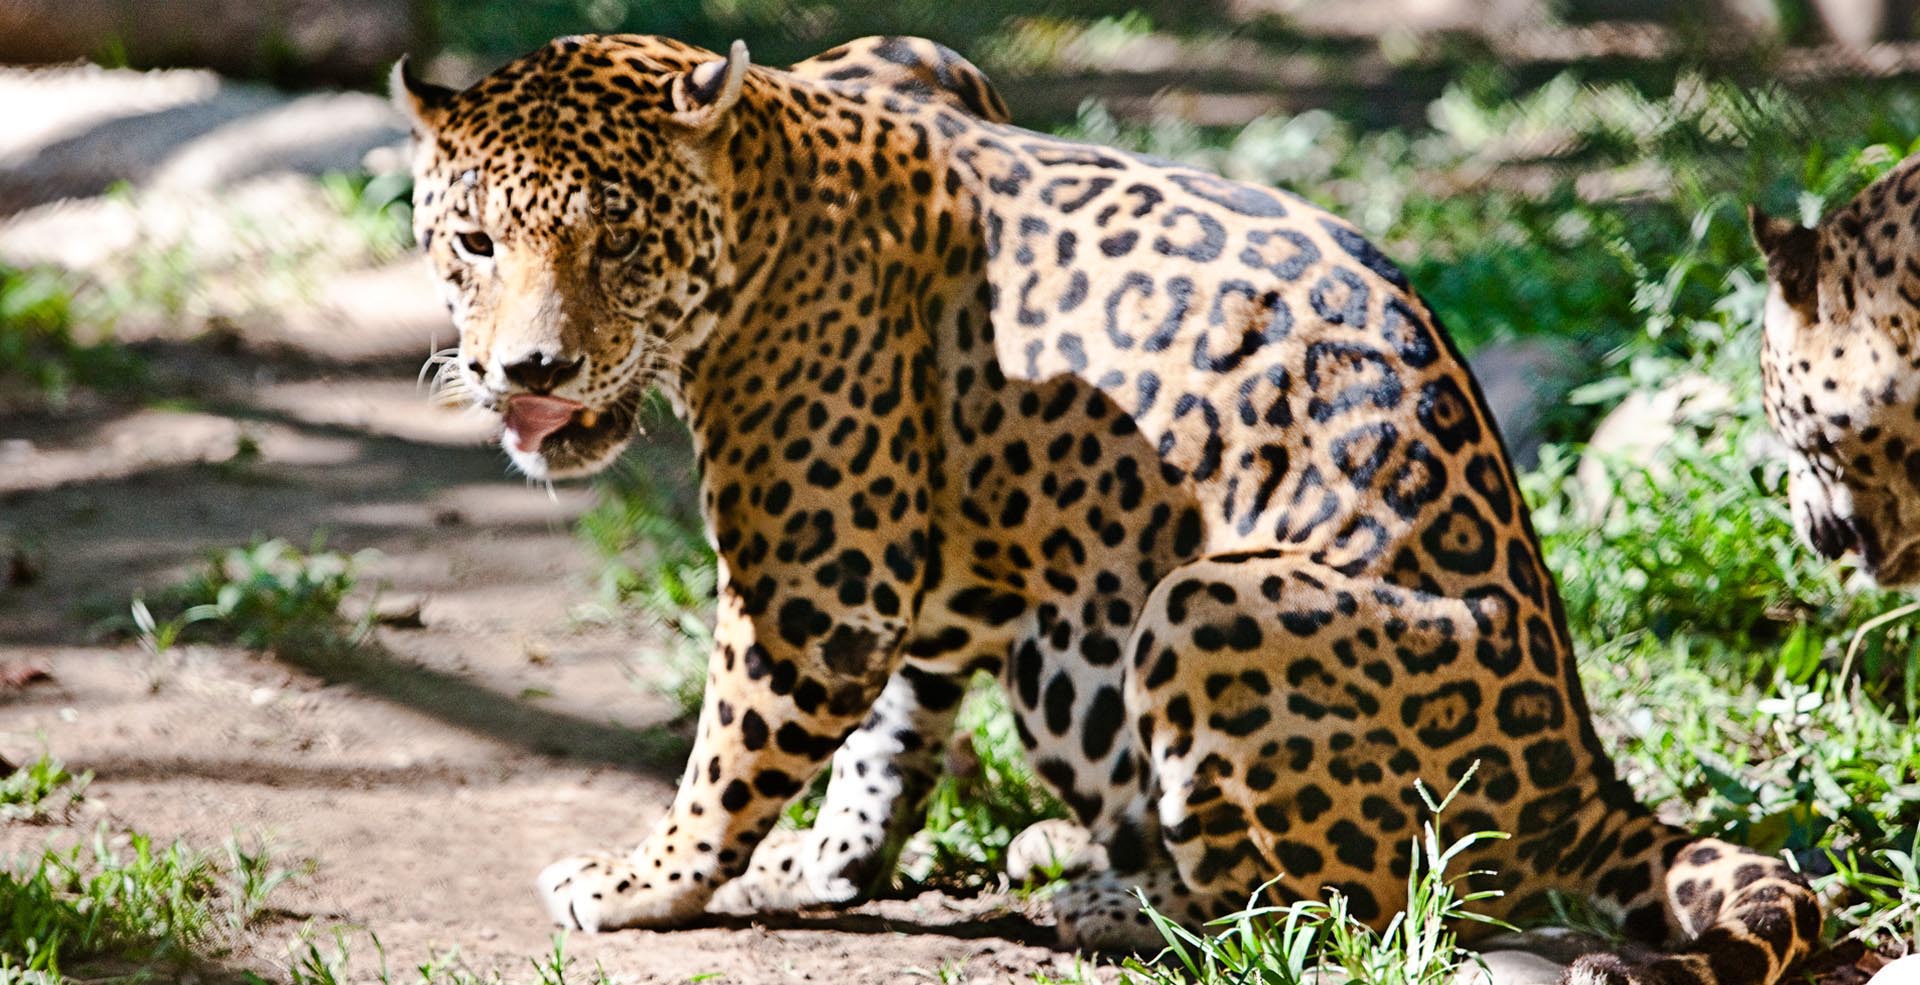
(1841, 364)
(1186, 460)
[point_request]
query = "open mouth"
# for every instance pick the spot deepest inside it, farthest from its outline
(560, 435)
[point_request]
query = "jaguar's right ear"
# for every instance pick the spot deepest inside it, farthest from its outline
(1793, 256)
(702, 97)
(422, 103)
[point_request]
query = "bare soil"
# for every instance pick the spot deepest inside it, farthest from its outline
(424, 779)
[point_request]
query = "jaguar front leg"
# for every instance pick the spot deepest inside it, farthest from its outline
(881, 777)
(778, 703)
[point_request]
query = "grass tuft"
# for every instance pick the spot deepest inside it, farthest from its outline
(1309, 941)
(266, 596)
(41, 791)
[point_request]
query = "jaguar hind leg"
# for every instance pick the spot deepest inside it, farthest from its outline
(1732, 916)
(1102, 911)
(1287, 710)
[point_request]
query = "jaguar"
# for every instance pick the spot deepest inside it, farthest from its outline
(1186, 462)
(1841, 375)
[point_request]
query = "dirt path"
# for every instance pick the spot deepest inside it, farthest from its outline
(428, 777)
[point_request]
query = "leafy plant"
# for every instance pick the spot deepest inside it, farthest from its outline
(973, 815)
(378, 206)
(266, 596)
(1885, 909)
(1306, 940)
(41, 791)
(121, 896)
(41, 350)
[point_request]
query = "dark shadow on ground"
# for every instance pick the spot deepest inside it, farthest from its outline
(657, 752)
(1010, 927)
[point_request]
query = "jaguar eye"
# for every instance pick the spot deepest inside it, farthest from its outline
(617, 242)
(475, 243)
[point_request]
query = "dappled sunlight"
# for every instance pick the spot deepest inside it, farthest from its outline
(389, 408)
(151, 440)
(266, 574)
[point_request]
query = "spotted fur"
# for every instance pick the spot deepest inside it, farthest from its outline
(1841, 369)
(1186, 461)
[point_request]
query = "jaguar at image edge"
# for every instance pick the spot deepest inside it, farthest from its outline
(1185, 461)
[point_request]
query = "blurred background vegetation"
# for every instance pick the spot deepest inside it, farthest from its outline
(1563, 180)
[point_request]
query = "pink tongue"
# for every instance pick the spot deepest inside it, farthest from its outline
(532, 419)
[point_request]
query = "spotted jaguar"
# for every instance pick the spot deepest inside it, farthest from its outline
(1841, 374)
(1185, 461)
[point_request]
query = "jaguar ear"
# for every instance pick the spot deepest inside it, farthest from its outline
(420, 102)
(1793, 256)
(702, 97)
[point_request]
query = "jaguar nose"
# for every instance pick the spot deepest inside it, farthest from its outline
(540, 372)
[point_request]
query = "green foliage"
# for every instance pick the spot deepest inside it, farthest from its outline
(266, 596)
(251, 877)
(1885, 896)
(379, 208)
(974, 813)
(119, 896)
(41, 791)
(1308, 941)
(40, 351)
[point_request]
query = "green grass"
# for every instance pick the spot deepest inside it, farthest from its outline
(974, 813)
(268, 596)
(43, 352)
(119, 900)
(41, 791)
(1304, 941)
(121, 906)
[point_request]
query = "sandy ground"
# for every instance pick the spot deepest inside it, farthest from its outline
(423, 781)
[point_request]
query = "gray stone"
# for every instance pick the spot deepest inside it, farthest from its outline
(1511, 968)
(1521, 379)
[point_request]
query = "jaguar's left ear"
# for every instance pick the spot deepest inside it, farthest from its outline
(1793, 255)
(422, 103)
(702, 97)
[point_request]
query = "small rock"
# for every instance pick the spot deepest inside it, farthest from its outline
(1905, 971)
(1511, 968)
(401, 612)
(1053, 848)
(1641, 432)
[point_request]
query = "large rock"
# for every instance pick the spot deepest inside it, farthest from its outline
(1521, 380)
